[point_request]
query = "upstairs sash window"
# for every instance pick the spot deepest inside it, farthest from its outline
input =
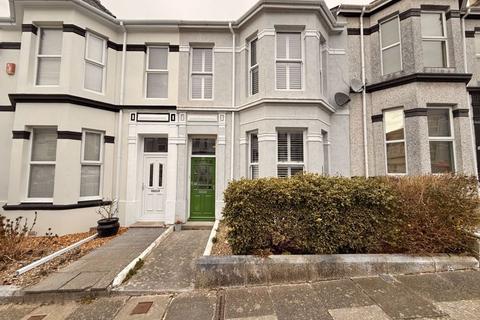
(289, 62)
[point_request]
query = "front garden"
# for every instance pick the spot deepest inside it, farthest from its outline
(313, 214)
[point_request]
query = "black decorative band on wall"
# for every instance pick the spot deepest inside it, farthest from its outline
(75, 29)
(174, 48)
(460, 113)
(434, 7)
(69, 135)
(420, 77)
(29, 28)
(109, 139)
(66, 98)
(7, 109)
(50, 206)
(114, 46)
(25, 135)
(417, 112)
(10, 45)
(137, 47)
(452, 14)
(469, 34)
(377, 118)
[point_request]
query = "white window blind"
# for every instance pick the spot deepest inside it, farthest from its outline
(157, 72)
(202, 73)
(434, 39)
(290, 153)
(441, 137)
(95, 56)
(42, 163)
(253, 158)
(289, 62)
(253, 68)
(49, 56)
(395, 150)
(92, 164)
(391, 49)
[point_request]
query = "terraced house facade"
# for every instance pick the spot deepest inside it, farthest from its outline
(161, 115)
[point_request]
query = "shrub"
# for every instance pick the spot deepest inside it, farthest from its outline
(12, 235)
(314, 214)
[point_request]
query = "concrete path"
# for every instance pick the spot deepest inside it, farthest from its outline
(97, 269)
(446, 296)
(171, 266)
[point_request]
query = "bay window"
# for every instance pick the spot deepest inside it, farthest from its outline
(253, 156)
(42, 164)
(49, 56)
(290, 157)
(441, 139)
(390, 46)
(95, 56)
(91, 165)
(202, 74)
(434, 39)
(395, 141)
(157, 72)
(289, 62)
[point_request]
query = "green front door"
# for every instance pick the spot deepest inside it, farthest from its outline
(202, 189)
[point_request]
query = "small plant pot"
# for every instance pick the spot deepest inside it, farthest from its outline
(178, 227)
(107, 227)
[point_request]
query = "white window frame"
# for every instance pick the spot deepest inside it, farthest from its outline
(37, 59)
(289, 164)
(251, 164)
(399, 44)
(32, 162)
(251, 68)
(160, 71)
(404, 140)
(101, 64)
(288, 60)
(92, 163)
(203, 73)
(443, 38)
(451, 138)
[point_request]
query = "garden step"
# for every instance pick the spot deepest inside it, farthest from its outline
(198, 225)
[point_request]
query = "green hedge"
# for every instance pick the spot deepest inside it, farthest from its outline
(314, 214)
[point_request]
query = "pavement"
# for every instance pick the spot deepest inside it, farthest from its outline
(97, 269)
(170, 267)
(442, 296)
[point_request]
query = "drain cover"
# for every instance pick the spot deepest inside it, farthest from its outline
(142, 308)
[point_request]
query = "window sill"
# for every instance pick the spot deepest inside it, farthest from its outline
(51, 206)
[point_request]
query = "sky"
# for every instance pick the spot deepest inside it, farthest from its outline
(180, 9)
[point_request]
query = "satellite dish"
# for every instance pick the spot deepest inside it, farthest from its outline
(341, 99)
(356, 85)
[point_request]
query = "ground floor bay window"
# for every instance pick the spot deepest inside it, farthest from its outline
(441, 139)
(290, 153)
(42, 164)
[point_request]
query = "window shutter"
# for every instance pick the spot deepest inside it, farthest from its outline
(50, 42)
(282, 172)
(197, 87)
(207, 87)
(96, 48)
(93, 77)
(254, 80)
(197, 60)
(92, 146)
(157, 85)
(282, 146)
(253, 53)
(296, 146)
(281, 75)
(208, 60)
(253, 148)
(281, 45)
(48, 72)
(294, 46)
(44, 144)
(254, 171)
(90, 181)
(295, 76)
(157, 58)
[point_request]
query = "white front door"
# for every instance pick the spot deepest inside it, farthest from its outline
(154, 187)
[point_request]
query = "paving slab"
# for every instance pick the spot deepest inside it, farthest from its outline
(298, 302)
(434, 287)
(198, 306)
(99, 309)
(396, 300)
(97, 269)
(467, 281)
(461, 310)
(53, 311)
(248, 303)
(155, 307)
(170, 267)
(340, 294)
(364, 313)
(16, 312)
